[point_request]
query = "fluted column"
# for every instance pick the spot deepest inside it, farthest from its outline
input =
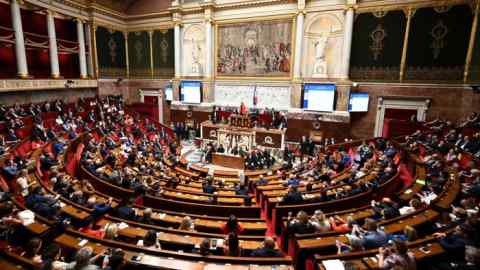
(88, 40)
(178, 47)
(298, 45)
(150, 40)
(52, 45)
(347, 42)
(208, 48)
(471, 45)
(81, 49)
(94, 49)
(403, 61)
(22, 68)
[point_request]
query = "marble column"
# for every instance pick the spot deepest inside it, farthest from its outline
(88, 40)
(178, 46)
(298, 45)
(52, 45)
(22, 68)
(81, 49)
(209, 49)
(347, 42)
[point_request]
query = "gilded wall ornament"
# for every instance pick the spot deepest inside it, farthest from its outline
(138, 51)
(112, 45)
(377, 36)
(438, 33)
(164, 49)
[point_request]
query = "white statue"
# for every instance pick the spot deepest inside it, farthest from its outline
(320, 66)
(196, 52)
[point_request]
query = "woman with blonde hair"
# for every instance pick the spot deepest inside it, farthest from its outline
(320, 221)
(111, 231)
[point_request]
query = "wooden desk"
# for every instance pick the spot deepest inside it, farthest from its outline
(235, 162)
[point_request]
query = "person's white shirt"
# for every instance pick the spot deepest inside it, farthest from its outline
(406, 210)
(22, 182)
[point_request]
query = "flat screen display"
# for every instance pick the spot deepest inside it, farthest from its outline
(358, 102)
(168, 93)
(191, 92)
(319, 97)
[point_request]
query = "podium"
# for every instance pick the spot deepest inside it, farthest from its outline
(270, 138)
(239, 120)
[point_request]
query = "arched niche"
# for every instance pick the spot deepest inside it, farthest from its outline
(328, 30)
(193, 43)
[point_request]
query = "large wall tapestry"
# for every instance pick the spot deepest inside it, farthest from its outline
(438, 43)
(377, 45)
(322, 49)
(261, 48)
(139, 55)
(110, 53)
(193, 50)
(163, 53)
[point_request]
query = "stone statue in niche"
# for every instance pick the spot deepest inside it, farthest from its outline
(196, 67)
(320, 66)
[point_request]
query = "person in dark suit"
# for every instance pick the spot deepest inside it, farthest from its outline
(268, 249)
(220, 149)
(293, 196)
(125, 210)
(299, 224)
(208, 187)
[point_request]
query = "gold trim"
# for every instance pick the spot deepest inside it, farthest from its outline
(471, 45)
(127, 61)
(23, 75)
(93, 33)
(403, 61)
(266, 78)
(150, 37)
(55, 76)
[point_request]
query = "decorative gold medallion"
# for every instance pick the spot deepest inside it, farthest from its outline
(268, 140)
(377, 36)
(112, 45)
(438, 33)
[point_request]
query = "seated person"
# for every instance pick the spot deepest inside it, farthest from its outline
(373, 237)
(396, 257)
(232, 245)
(187, 224)
(268, 249)
(150, 240)
(341, 226)
(208, 187)
(299, 224)
(293, 196)
(232, 225)
(241, 190)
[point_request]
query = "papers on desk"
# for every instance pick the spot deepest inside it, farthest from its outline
(122, 225)
(62, 204)
(420, 182)
(308, 196)
(408, 191)
(83, 242)
(333, 265)
(162, 215)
